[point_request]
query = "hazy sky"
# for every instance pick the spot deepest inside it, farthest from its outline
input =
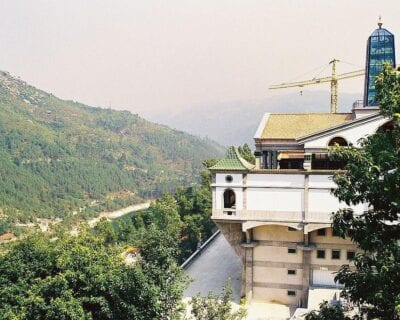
(156, 56)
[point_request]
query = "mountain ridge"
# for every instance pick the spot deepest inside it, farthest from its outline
(59, 156)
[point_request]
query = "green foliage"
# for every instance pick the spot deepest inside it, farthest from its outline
(186, 216)
(218, 307)
(85, 277)
(60, 156)
(372, 176)
(246, 153)
(327, 312)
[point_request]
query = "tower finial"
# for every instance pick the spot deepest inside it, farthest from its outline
(380, 22)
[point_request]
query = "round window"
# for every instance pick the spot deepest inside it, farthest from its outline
(228, 178)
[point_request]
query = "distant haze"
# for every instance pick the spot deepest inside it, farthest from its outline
(235, 122)
(160, 57)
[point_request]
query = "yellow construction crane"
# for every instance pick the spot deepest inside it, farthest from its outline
(332, 79)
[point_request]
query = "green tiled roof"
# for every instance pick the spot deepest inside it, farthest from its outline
(232, 161)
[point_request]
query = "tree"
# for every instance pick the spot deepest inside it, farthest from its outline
(327, 312)
(165, 280)
(246, 153)
(372, 176)
(86, 277)
(105, 230)
(217, 307)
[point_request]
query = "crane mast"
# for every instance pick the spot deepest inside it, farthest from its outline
(334, 87)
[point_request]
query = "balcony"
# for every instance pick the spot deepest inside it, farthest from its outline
(256, 215)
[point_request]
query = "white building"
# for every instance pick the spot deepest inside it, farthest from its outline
(276, 214)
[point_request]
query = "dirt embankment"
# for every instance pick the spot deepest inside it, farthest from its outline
(119, 213)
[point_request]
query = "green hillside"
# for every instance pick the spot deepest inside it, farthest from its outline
(59, 158)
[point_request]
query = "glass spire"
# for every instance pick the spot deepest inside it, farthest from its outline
(380, 49)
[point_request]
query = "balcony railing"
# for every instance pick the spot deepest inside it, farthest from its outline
(256, 215)
(319, 217)
(263, 215)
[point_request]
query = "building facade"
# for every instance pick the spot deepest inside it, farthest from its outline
(276, 214)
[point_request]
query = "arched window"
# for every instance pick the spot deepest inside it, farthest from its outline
(388, 126)
(338, 140)
(229, 198)
(322, 161)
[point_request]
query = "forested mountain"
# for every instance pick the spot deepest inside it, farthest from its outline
(59, 158)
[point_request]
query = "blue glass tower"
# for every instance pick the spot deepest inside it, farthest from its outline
(380, 49)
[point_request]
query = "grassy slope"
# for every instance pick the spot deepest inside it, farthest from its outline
(57, 156)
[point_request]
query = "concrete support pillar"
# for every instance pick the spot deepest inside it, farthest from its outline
(306, 194)
(243, 282)
(214, 195)
(244, 189)
(248, 235)
(247, 272)
(306, 271)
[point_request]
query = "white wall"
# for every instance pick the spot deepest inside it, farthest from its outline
(275, 180)
(321, 200)
(271, 194)
(274, 199)
(275, 192)
(352, 135)
(220, 179)
(321, 181)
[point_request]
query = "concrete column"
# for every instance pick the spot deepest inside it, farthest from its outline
(306, 271)
(244, 184)
(243, 282)
(214, 194)
(247, 273)
(306, 192)
(249, 234)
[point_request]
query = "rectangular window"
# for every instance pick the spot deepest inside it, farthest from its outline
(291, 229)
(291, 293)
(292, 250)
(321, 232)
(291, 272)
(350, 255)
(321, 254)
(335, 254)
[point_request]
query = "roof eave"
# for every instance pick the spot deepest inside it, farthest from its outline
(241, 164)
(229, 170)
(261, 126)
(339, 126)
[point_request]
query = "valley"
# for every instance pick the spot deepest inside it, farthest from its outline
(62, 160)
